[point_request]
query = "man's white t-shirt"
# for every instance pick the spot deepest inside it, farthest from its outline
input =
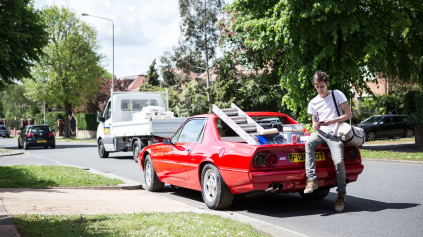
(325, 108)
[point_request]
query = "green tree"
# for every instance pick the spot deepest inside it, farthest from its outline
(198, 20)
(350, 40)
(225, 89)
(68, 74)
(16, 104)
(22, 37)
(152, 77)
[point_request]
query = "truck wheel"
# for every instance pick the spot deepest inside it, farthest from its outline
(101, 151)
(216, 194)
(151, 180)
(136, 150)
(318, 194)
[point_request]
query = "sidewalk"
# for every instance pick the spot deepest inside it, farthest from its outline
(104, 200)
(10, 153)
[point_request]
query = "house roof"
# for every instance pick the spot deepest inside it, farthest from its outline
(136, 82)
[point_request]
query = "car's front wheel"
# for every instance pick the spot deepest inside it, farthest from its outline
(101, 151)
(216, 194)
(409, 133)
(371, 136)
(317, 194)
(152, 182)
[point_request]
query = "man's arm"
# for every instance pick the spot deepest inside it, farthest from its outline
(347, 115)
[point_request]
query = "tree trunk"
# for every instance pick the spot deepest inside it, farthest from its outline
(418, 134)
(67, 109)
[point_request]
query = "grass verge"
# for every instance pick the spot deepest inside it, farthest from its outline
(72, 139)
(143, 224)
(398, 140)
(394, 155)
(36, 176)
(2, 149)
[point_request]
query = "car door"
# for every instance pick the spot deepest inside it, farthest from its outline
(399, 125)
(107, 128)
(177, 161)
(385, 127)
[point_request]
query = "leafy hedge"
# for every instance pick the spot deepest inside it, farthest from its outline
(412, 101)
(86, 121)
(52, 117)
(39, 118)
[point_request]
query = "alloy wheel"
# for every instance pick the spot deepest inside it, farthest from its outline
(148, 173)
(210, 185)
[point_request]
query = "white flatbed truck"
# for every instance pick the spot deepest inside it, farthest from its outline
(119, 132)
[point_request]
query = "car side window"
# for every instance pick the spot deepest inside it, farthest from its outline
(387, 120)
(107, 112)
(191, 131)
(398, 119)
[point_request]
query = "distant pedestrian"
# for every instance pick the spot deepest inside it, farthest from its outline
(325, 117)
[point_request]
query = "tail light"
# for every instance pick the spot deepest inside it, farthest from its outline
(271, 159)
(352, 153)
(30, 134)
(259, 159)
(51, 134)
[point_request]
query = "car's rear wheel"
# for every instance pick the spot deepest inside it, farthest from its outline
(151, 180)
(370, 136)
(45, 147)
(53, 146)
(25, 146)
(409, 133)
(216, 194)
(19, 145)
(317, 194)
(101, 151)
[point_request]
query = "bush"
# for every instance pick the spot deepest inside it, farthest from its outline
(415, 113)
(86, 121)
(409, 102)
(51, 119)
(390, 104)
(12, 123)
(39, 118)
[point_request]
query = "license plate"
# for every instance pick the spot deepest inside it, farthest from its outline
(41, 141)
(300, 157)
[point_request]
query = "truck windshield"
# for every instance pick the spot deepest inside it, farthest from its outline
(136, 105)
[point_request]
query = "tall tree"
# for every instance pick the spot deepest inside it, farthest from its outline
(69, 72)
(152, 77)
(22, 37)
(350, 40)
(198, 20)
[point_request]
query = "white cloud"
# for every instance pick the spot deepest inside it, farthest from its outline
(143, 29)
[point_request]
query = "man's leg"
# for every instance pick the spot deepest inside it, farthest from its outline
(337, 150)
(313, 141)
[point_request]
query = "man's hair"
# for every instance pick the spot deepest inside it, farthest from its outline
(320, 76)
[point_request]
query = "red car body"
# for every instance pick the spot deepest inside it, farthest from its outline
(181, 164)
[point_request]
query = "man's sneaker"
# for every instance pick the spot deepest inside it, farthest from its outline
(310, 186)
(340, 202)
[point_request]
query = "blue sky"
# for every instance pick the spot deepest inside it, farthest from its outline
(143, 29)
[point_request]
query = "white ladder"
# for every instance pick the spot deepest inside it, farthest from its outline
(240, 122)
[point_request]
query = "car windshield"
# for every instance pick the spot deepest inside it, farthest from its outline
(39, 129)
(372, 120)
(3, 128)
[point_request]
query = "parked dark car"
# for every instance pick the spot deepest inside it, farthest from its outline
(4, 131)
(386, 126)
(36, 135)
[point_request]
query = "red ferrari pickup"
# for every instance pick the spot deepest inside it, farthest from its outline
(205, 154)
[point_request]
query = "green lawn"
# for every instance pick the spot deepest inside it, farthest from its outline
(72, 139)
(2, 149)
(394, 155)
(397, 140)
(35, 176)
(143, 224)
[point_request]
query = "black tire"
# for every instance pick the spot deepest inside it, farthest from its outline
(215, 192)
(8, 136)
(317, 194)
(101, 151)
(53, 146)
(370, 136)
(19, 145)
(25, 146)
(409, 133)
(136, 150)
(45, 147)
(151, 180)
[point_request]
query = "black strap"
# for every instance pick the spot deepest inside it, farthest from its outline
(336, 104)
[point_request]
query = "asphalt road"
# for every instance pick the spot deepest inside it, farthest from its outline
(385, 201)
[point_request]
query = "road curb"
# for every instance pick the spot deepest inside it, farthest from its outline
(10, 153)
(7, 226)
(395, 161)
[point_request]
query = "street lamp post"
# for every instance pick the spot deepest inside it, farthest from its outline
(113, 60)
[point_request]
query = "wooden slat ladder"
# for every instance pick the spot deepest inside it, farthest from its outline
(240, 122)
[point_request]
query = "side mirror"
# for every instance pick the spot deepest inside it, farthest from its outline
(167, 141)
(99, 117)
(381, 123)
